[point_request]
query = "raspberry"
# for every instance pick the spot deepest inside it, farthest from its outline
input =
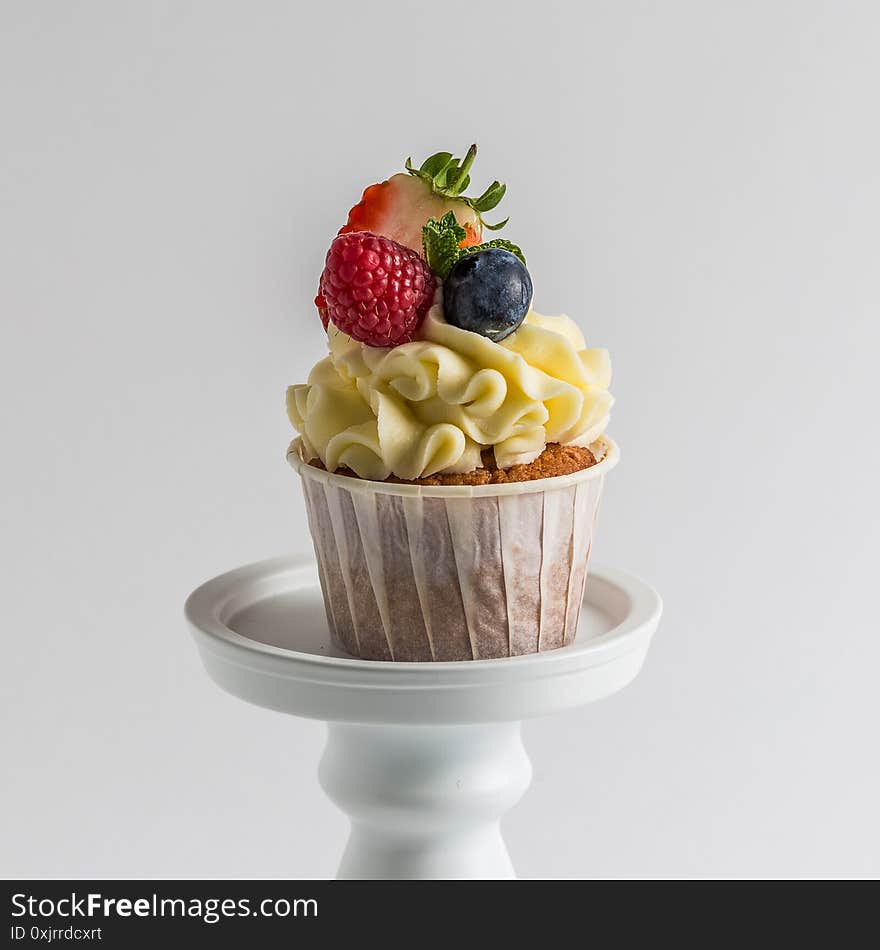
(323, 312)
(374, 289)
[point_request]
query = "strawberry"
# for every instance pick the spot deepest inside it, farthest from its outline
(374, 289)
(399, 207)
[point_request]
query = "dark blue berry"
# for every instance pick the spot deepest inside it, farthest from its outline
(487, 292)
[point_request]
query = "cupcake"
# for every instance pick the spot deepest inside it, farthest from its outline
(452, 445)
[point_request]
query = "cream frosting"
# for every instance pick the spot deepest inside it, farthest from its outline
(434, 404)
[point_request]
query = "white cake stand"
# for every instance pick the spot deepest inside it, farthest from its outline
(424, 758)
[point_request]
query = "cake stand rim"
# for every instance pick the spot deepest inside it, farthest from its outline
(206, 605)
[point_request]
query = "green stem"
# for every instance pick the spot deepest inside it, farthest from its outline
(456, 186)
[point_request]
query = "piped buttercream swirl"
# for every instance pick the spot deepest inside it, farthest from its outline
(434, 404)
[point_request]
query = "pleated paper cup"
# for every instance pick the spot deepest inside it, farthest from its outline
(452, 572)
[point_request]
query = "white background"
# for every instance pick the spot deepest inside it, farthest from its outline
(696, 183)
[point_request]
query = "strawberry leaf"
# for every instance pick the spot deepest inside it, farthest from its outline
(489, 198)
(441, 179)
(435, 164)
(449, 176)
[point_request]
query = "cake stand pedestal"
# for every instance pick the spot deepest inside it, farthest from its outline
(424, 758)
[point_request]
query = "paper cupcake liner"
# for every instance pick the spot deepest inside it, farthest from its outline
(421, 573)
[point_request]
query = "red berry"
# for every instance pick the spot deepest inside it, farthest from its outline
(374, 289)
(323, 312)
(398, 208)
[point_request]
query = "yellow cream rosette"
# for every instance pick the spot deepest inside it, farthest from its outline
(434, 404)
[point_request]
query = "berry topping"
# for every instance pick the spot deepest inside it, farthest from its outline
(323, 312)
(399, 207)
(488, 291)
(374, 289)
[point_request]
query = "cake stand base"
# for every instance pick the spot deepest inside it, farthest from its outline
(425, 801)
(424, 758)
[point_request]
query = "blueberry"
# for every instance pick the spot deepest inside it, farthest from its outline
(487, 292)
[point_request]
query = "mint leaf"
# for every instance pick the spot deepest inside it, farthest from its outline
(498, 242)
(440, 240)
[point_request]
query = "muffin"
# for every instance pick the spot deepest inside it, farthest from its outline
(452, 444)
